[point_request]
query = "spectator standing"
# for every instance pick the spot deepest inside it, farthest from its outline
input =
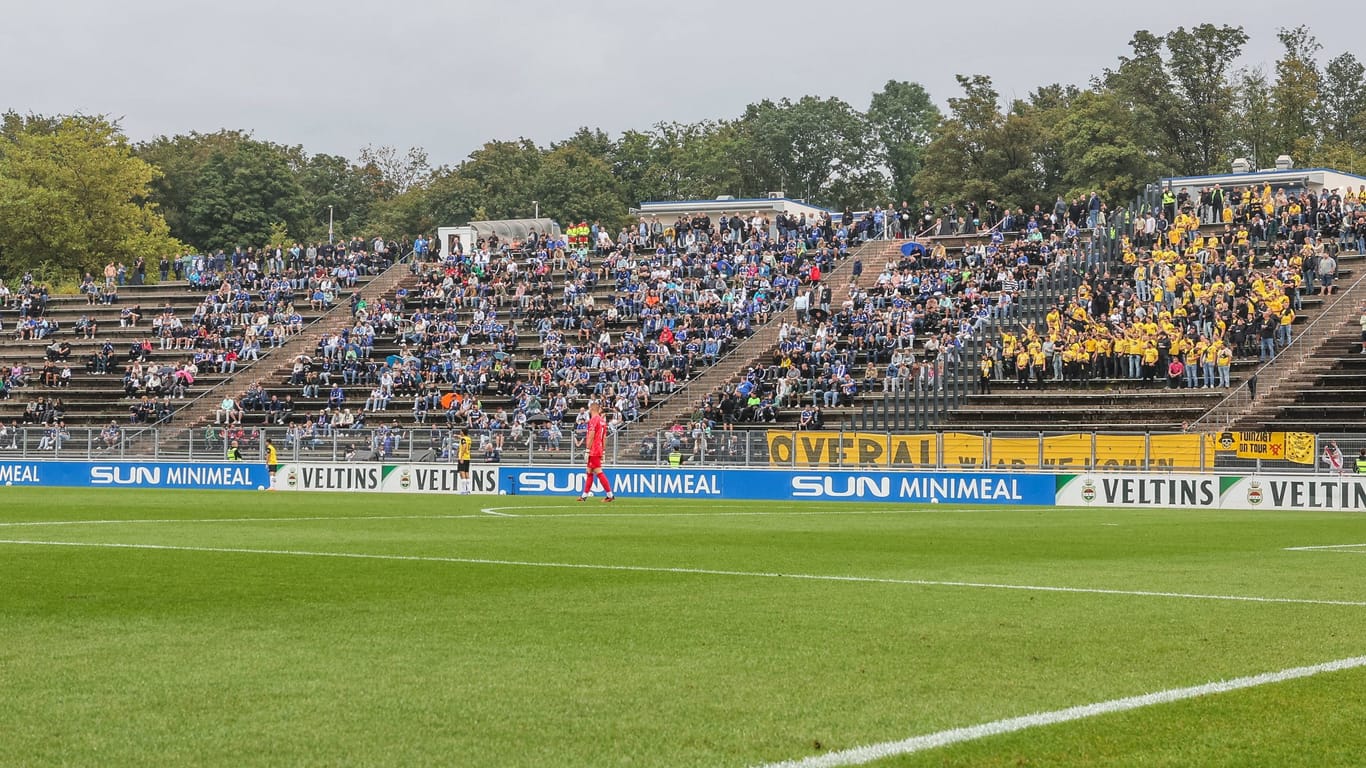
(1327, 269)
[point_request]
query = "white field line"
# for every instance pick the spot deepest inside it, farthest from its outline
(694, 571)
(871, 752)
(1351, 549)
(41, 523)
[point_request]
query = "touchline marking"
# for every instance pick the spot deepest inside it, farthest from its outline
(1350, 549)
(695, 571)
(871, 752)
(40, 523)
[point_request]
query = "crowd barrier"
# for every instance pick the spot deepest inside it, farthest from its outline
(1057, 452)
(217, 476)
(1330, 492)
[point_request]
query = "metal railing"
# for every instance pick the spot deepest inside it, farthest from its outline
(698, 445)
(1286, 362)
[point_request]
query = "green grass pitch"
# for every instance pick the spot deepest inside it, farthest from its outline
(448, 636)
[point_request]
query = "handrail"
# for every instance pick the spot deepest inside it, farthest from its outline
(1301, 349)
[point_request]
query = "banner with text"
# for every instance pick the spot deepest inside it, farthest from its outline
(966, 451)
(1276, 492)
(780, 485)
(385, 478)
(1296, 447)
(1339, 493)
(220, 476)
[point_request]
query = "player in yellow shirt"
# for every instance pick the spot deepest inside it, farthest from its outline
(462, 458)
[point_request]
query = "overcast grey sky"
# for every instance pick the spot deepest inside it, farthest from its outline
(336, 75)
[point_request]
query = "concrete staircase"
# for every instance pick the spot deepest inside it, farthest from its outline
(196, 413)
(760, 346)
(1279, 381)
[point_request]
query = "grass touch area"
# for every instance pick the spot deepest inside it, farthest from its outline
(221, 634)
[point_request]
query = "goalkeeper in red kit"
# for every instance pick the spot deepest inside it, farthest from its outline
(597, 443)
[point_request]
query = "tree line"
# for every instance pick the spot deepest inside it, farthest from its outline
(76, 193)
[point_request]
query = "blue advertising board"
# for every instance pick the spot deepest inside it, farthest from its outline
(222, 476)
(793, 485)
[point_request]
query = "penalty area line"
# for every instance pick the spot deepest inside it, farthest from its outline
(695, 571)
(887, 749)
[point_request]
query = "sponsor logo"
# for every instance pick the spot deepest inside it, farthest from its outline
(1088, 492)
(848, 487)
(19, 473)
(1335, 493)
(405, 479)
(1254, 493)
(125, 475)
(549, 482)
(173, 476)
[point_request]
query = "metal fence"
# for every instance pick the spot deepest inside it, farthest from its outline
(690, 447)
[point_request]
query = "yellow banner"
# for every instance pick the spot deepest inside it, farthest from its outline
(963, 450)
(1297, 447)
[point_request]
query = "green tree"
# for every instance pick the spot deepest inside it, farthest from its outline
(395, 171)
(804, 147)
(1344, 100)
(351, 191)
(240, 192)
(1100, 148)
(1295, 96)
(902, 117)
(180, 160)
(637, 165)
(1254, 131)
(574, 185)
(1200, 59)
(592, 141)
(965, 160)
(1144, 85)
(505, 172)
(1046, 107)
(73, 197)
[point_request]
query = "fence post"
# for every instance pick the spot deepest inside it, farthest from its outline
(839, 457)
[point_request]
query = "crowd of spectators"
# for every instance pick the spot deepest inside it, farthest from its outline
(251, 303)
(1183, 302)
(541, 326)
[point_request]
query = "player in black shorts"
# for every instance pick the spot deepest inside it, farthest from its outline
(462, 460)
